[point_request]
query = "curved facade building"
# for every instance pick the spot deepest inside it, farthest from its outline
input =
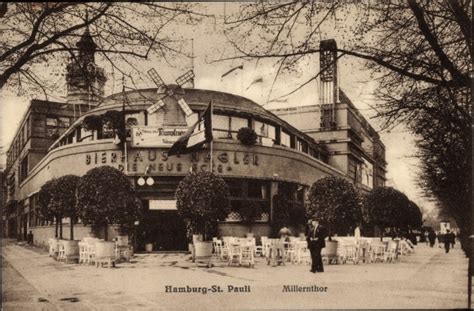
(53, 142)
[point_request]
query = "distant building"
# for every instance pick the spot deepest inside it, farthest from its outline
(353, 144)
(289, 156)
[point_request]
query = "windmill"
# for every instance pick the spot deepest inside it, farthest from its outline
(168, 92)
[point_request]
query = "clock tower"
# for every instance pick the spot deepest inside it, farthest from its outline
(85, 81)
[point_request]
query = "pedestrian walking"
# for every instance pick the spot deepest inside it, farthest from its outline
(447, 240)
(316, 235)
(453, 238)
(432, 237)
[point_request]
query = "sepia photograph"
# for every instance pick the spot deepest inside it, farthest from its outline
(253, 155)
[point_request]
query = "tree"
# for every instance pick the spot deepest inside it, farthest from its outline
(280, 213)
(202, 200)
(387, 207)
(44, 200)
(420, 53)
(335, 202)
(415, 218)
(64, 199)
(105, 196)
(297, 215)
(250, 212)
(38, 34)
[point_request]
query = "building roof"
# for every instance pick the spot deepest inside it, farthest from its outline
(198, 99)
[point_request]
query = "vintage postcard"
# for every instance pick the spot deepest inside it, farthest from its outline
(287, 155)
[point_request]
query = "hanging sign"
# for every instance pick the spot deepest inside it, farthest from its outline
(151, 136)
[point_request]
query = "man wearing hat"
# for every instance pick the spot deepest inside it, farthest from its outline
(315, 237)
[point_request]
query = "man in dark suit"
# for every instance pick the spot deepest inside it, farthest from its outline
(448, 240)
(315, 238)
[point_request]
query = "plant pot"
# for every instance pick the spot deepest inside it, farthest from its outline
(149, 247)
(197, 238)
(203, 253)
(330, 250)
(104, 249)
(122, 240)
(71, 249)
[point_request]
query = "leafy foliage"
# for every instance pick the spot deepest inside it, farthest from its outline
(387, 207)
(250, 212)
(336, 203)
(297, 215)
(44, 200)
(105, 196)
(281, 216)
(202, 200)
(92, 123)
(63, 196)
(247, 136)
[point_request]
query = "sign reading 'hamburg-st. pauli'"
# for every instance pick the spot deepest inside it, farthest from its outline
(152, 136)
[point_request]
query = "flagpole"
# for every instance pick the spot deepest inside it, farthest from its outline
(212, 140)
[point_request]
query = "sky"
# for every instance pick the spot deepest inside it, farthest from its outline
(208, 44)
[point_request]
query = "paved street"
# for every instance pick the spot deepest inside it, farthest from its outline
(429, 278)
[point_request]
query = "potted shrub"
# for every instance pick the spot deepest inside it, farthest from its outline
(386, 207)
(63, 201)
(336, 203)
(44, 199)
(93, 123)
(297, 217)
(250, 212)
(247, 136)
(280, 215)
(105, 196)
(202, 200)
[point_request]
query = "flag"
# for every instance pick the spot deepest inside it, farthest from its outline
(257, 80)
(232, 70)
(197, 135)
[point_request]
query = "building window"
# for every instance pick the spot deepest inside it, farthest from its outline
(227, 126)
(265, 130)
(84, 135)
(327, 117)
(24, 169)
(236, 124)
(55, 126)
(302, 146)
(285, 139)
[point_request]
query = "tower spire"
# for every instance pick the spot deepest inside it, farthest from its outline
(85, 80)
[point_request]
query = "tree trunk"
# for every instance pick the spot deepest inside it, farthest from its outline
(60, 219)
(71, 234)
(106, 232)
(56, 228)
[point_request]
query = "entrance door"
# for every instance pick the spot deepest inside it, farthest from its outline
(164, 229)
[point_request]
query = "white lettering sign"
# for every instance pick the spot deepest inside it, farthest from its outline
(150, 136)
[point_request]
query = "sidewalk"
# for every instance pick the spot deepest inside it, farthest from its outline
(429, 278)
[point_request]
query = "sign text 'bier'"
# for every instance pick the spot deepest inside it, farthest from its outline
(158, 161)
